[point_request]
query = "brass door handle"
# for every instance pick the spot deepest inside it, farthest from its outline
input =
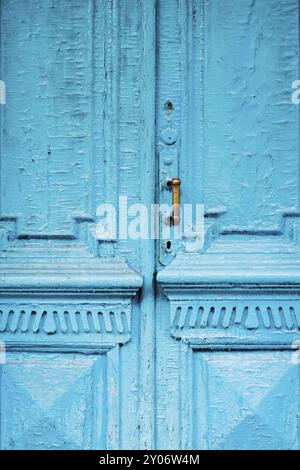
(174, 219)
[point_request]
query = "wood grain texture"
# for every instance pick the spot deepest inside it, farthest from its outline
(251, 398)
(101, 352)
(233, 306)
(72, 136)
(62, 406)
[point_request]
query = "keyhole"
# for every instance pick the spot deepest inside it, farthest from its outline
(169, 107)
(168, 245)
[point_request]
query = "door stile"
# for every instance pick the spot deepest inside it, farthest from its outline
(147, 247)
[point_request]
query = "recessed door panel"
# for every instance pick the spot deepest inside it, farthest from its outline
(53, 401)
(246, 400)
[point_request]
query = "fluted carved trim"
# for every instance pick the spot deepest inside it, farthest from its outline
(249, 315)
(64, 319)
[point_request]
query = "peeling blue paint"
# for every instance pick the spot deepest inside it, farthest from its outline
(120, 344)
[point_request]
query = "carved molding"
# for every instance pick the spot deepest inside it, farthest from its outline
(234, 298)
(229, 322)
(64, 326)
(62, 298)
(246, 315)
(52, 267)
(65, 319)
(229, 266)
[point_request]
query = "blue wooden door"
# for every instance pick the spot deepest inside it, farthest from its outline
(125, 342)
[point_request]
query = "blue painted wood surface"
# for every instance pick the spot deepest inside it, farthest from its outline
(122, 344)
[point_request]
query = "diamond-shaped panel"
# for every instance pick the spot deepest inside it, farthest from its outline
(49, 401)
(246, 400)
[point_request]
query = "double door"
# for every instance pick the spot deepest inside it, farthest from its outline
(115, 336)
